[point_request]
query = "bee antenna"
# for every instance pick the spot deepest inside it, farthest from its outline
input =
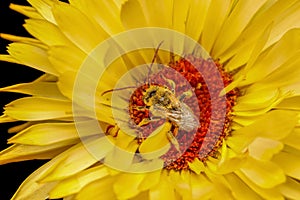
(117, 89)
(153, 59)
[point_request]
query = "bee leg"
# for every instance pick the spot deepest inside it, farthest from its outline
(148, 120)
(170, 82)
(185, 95)
(173, 140)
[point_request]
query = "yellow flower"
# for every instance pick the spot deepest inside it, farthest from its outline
(132, 107)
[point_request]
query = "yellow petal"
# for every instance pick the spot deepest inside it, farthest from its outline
(78, 158)
(151, 179)
(31, 189)
(26, 10)
(263, 173)
(195, 21)
(46, 134)
(276, 12)
(105, 13)
(98, 189)
(33, 109)
(46, 32)
(289, 162)
(132, 184)
(14, 38)
(201, 187)
(264, 149)
(4, 119)
(77, 27)
(44, 7)
(265, 193)
(292, 103)
(235, 24)
(196, 166)
(249, 57)
(19, 152)
(290, 189)
(293, 139)
(256, 100)
(32, 56)
(216, 14)
(65, 58)
(9, 58)
(276, 124)
(129, 12)
(270, 61)
(41, 89)
(180, 12)
(240, 189)
(164, 190)
(75, 183)
(157, 143)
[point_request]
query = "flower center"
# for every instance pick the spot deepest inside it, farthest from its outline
(171, 100)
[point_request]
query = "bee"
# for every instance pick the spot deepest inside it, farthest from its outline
(162, 103)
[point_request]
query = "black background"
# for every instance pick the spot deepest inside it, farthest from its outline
(12, 175)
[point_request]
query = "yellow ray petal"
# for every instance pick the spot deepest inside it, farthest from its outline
(151, 179)
(221, 192)
(21, 39)
(157, 143)
(30, 189)
(105, 13)
(9, 58)
(264, 149)
(32, 56)
(249, 57)
(46, 32)
(265, 193)
(98, 189)
(26, 10)
(132, 180)
(258, 99)
(265, 174)
(293, 139)
(202, 188)
(19, 152)
(83, 33)
(290, 189)
(40, 89)
(240, 189)
(46, 134)
(292, 103)
(289, 162)
(4, 119)
(79, 158)
(195, 21)
(259, 23)
(129, 12)
(180, 12)
(216, 14)
(164, 190)
(197, 166)
(65, 58)
(34, 108)
(235, 24)
(44, 7)
(75, 183)
(270, 61)
(276, 125)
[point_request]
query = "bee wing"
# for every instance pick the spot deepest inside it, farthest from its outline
(188, 120)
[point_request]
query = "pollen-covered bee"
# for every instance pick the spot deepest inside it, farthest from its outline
(162, 103)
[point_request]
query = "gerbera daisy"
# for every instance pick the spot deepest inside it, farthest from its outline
(158, 99)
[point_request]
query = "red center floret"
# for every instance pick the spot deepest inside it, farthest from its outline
(190, 143)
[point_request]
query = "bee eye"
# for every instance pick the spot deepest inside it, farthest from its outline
(152, 93)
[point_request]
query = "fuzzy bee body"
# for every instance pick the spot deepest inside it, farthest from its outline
(163, 104)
